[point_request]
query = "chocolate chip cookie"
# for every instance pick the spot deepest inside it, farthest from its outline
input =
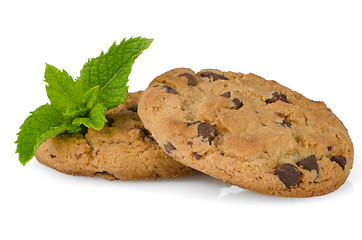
(248, 131)
(123, 149)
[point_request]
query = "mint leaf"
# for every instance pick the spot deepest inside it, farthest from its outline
(90, 97)
(96, 118)
(75, 129)
(45, 122)
(61, 89)
(81, 109)
(110, 70)
(77, 105)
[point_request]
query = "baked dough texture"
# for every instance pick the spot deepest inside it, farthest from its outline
(248, 131)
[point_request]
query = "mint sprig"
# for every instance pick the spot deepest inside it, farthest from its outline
(82, 103)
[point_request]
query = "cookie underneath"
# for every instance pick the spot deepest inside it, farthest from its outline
(123, 150)
(248, 131)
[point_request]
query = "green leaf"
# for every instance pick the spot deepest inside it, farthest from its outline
(110, 70)
(74, 110)
(88, 100)
(96, 118)
(44, 123)
(61, 89)
(81, 104)
(74, 129)
(90, 97)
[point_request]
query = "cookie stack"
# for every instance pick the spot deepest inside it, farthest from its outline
(239, 128)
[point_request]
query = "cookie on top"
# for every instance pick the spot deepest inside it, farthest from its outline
(248, 131)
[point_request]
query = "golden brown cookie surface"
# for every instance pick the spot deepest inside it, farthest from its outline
(123, 149)
(248, 131)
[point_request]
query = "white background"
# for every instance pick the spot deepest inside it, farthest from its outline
(313, 47)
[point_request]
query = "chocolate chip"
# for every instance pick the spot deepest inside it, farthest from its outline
(207, 131)
(213, 76)
(52, 156)
(191, 79)
(189, 143)
(189, 123)
(237, 104)
(169, 89)
(329, 148)
(148, 138)
(144, 132)
(309, 163)
(277, 96)
(197, 156)
(133, 107)
(279, 114)
(110, 121)
(288, 174)
(226, 95)
(169, 147)
(341, 160)
(285, 123)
